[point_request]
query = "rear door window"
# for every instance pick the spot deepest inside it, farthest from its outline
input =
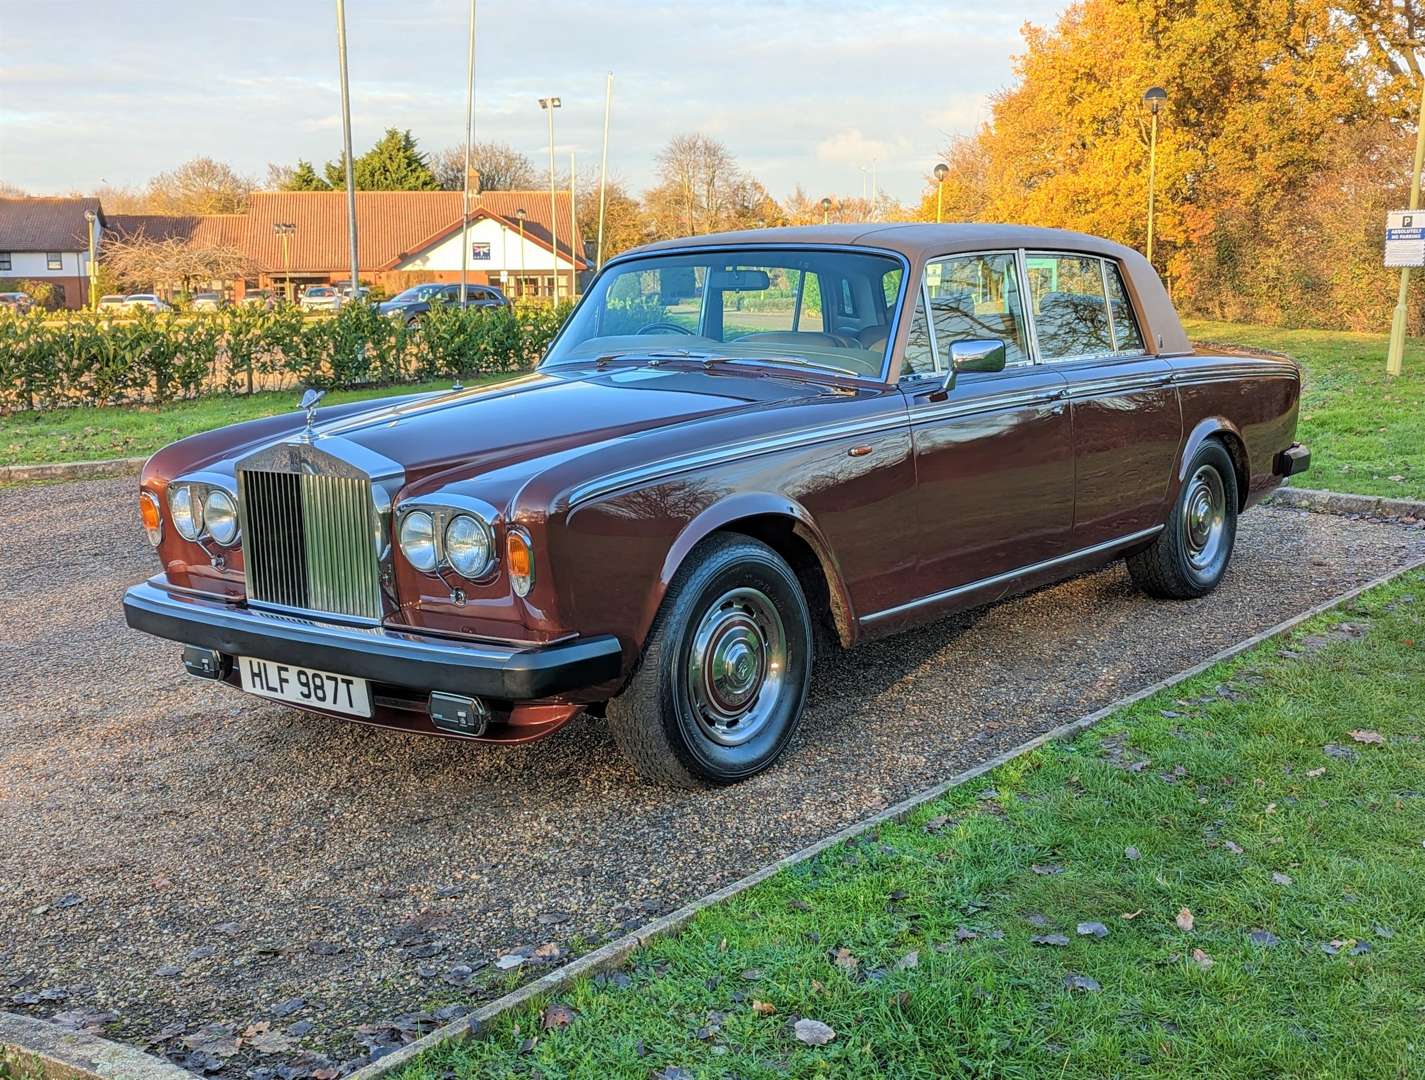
(1070, 308)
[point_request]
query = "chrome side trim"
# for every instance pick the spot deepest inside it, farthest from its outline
(1004, 400)
(1119, 384)
(767, 444)
(1011, 575)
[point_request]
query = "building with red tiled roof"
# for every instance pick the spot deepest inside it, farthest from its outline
(46, 239)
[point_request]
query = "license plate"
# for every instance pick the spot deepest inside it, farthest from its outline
(305, 686)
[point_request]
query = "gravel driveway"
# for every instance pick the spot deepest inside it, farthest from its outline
(201, 864)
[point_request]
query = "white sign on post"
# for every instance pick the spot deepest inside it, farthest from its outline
(1405, 238)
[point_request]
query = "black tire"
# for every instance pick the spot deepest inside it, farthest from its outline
(727, 609)
(1188, 558)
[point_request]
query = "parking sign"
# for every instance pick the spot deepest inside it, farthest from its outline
(1405, 238)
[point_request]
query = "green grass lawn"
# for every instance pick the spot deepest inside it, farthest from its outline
(1366, 431)
(92, 434)
(1224, 880)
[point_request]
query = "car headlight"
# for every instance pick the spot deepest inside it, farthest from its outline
(418, 540)
(221, 517)
(469, 545)
(186, 509)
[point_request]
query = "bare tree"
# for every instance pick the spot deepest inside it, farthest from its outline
(172, 261)
(501, 167)
(11, 191)
(701, 188)
(200, 186)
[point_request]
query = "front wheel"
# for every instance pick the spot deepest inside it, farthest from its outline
(1189, 557)
(725, 670)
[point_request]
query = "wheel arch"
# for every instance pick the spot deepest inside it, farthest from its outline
(1225, 432)
(787, 528)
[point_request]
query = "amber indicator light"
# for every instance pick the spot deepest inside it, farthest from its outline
(520, 559)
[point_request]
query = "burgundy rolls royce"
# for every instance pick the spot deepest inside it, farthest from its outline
(739, 448)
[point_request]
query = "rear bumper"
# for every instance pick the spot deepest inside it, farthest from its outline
(1294, 459)
(479, 669)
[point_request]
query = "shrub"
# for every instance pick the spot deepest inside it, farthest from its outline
(84, 358)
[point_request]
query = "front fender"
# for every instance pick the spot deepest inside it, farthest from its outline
(749, 507)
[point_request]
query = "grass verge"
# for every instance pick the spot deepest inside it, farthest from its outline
(93, 434)
(1222, 880)
(1366, 431)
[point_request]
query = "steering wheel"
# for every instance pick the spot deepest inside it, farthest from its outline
(665, 328)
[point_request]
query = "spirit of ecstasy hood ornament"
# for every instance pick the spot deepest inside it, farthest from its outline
(309, 403)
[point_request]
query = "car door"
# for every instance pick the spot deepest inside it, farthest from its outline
(994, 455)
(1126, 420)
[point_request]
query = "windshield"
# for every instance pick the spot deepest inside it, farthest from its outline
(417, 292)
(828, 308)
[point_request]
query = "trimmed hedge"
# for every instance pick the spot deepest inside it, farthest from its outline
(83, 358)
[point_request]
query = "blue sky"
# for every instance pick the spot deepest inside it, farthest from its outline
(98, 92)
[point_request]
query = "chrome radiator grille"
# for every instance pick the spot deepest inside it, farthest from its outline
(309, 542)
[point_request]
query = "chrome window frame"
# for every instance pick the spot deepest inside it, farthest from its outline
(1103, 261)
(897, 309)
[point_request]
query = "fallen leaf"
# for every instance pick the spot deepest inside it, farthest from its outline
(763, 1008)
(843, 959)
(1049, 939)
(1278, 878)
(1360, 948)
(508, 961)
(1131, 854)
(1361, 735)
(1081, 983)
(1236, 849)
(1092, 929)
(556, 1015)
(1128, 915)
(1184, 920)
(1264, 937)
(813, 1032)
(908, 961)
(1314, 773)
(1048, 870)
(1201, 959)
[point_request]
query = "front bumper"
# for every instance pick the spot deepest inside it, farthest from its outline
(480, 669)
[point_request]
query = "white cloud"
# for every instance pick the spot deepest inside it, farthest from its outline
(801, 92)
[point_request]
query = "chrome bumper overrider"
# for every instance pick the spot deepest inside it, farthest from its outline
(486, 669)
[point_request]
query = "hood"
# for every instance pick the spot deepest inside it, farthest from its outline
(489, 427)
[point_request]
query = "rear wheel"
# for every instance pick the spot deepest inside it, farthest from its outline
(1189, 557)
(725, 669)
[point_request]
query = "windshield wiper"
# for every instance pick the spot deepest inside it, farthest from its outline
(797, 361)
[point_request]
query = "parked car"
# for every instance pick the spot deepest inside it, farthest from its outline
(320, 298)
(735, 442)
(16, 301)
(266, 298)
(208, 301)
(113, 302)
(415, 302)
(138, 301)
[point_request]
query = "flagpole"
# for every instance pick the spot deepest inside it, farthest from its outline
(346, 140)
(604, 169)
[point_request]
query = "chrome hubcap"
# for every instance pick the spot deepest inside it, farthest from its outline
(736, 666)
(1204, 517)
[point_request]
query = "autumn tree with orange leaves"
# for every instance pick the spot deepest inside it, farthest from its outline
(1287, 135)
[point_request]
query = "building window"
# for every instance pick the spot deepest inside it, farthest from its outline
(4, 260)
(54, 260)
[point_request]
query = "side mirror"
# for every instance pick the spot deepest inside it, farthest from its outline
(974, 354)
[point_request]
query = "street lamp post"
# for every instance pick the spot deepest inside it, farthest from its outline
(91, 218)
(825, 211)
(1154, 98)
(573, 232)
(524, 270)
(285, 229)
(941, 172)
(549, 104)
